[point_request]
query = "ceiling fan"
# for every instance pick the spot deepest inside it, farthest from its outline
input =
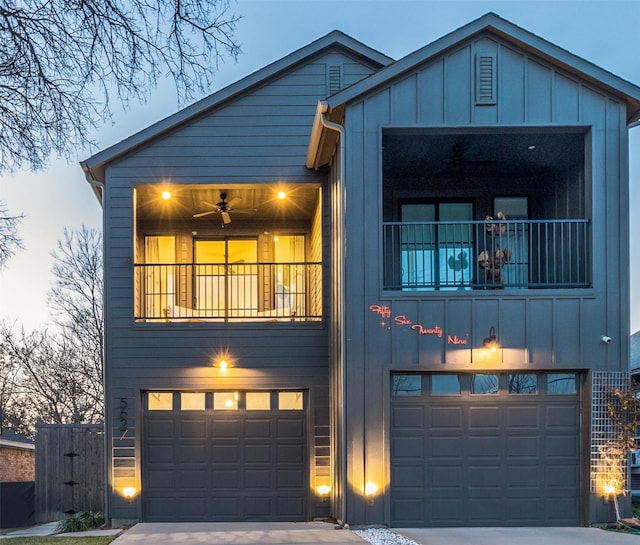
(223, 208)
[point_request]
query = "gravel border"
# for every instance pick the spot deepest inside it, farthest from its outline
(383, 536)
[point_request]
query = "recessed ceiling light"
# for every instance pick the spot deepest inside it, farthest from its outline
(531, 147)
(282, 195)
(166, 195)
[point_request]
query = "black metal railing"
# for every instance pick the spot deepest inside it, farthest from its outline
(486, 254)
(228, 292)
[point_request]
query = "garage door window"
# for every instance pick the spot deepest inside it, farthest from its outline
(290, 401)
(482, 384)
(561, 383)
(523, 383)
(225, 401)
(445, 385)
(160, 401)
(406, 385)
(192, 401)
(258, 401)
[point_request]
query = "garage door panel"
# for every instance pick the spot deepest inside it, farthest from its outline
(446, 417)
(159, 428)
(560, 417)
(192, 453)
(484, 446)
(485, 477)
(258, 479)
(523, 446)
(290, 428)
(190, 428)
(258, 507)
(290, 507)
(290, 478)
(191, 479)
(227, 506)
(523, 417)
(290, 453)
(408, 447)
(445, 447)
(408, 478)
(445, 478)
(561, 477)
(407, 512)
(261, 454)
(258, 428)
(227, 478)
(407, 417)
(161, 454)
(160, 479)
(486, 511)
(562, 446)
(484, 417)
(524, 477)
(225, 453)
(229, 428)
(446, 511)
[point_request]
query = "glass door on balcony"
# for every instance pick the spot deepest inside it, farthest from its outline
(436, 252)
(515, 239)
(160, 285)
(226, 277)
(289, 250)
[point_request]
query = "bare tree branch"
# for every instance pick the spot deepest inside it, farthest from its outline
(60, 61)
(10, 241)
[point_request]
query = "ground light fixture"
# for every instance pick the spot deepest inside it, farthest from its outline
(491, 342)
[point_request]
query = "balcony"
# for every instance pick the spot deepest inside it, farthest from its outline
(219, 292)
(482, 255)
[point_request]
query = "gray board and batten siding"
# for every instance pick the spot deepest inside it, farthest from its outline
(258, 136)
(541, 329)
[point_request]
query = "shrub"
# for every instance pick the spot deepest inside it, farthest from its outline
(79, 522)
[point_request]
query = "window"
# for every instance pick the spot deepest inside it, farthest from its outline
(523, 383)
(160, 401)
(289, 292)
(484, 384)
(436, 249)
(225, 401)
(561, 383)
(290, 401)
(406, 385)
(258, 401)
(226, 279)
(192, 401)
(445, 385)
(160, 258)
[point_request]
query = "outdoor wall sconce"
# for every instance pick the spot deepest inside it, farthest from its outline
(223, 363)
(129, 492)
(370, 490)
(491, 342)
(323, 491)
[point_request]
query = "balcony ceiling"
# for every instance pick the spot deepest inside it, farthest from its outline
(260, 201)
(411, 154)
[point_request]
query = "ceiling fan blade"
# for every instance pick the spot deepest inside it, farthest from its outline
(201, 214)
(226, 218)
(233, 201)
(244, 210)
(212, 205)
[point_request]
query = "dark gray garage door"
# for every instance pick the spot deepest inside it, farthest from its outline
(225, 456)
(485, 449)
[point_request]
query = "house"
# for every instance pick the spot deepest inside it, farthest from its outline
(388, 292)
(17, 458)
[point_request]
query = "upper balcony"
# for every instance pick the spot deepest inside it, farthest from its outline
(243, 253)
(486, 208)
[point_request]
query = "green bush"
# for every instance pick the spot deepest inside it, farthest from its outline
(79, 522)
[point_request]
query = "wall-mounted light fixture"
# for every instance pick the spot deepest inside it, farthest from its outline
(370, 490)
(323, 491)
(491, 342)
(606, 339)
(129, 492)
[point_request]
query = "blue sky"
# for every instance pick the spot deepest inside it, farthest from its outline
(603, 32)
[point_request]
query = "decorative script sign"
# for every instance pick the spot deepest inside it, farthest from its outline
(389, 319)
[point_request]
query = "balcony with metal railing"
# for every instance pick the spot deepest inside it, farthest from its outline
(476, 255)
(228, 292)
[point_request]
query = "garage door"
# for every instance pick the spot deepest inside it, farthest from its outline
(485, 449)
(225, 456)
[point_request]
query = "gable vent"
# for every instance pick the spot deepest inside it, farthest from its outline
(485, 79)
(335, 79)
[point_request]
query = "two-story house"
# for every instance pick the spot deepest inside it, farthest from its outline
(389, 292)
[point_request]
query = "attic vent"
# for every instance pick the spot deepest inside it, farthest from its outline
(485, 79)
(335, 79)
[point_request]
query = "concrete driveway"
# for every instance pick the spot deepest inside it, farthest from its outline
(321, 533)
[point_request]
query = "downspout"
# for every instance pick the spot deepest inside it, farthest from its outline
(341, 358)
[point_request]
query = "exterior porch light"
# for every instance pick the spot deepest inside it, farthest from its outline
(166, 195)
(282, 195)
(370, 490)
(323, 491)
(129, 492)
(491, 342)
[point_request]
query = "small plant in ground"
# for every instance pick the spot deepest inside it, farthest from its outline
(79, 522)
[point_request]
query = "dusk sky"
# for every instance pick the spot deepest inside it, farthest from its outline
(602, 32)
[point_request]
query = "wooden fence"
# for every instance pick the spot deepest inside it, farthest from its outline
(69, 470)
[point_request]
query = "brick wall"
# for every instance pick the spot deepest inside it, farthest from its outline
(17, 464)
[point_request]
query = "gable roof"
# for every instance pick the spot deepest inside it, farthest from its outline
(94, 166)
(528, 41)
(12, 440)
